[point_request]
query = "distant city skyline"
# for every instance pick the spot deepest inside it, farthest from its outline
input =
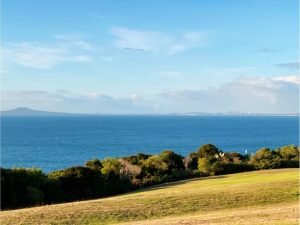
(134, 57)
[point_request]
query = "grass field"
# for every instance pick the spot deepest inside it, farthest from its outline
(260, 197)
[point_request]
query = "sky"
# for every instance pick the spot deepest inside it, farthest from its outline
(140, 57)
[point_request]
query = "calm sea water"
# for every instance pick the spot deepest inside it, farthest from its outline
(53, 143)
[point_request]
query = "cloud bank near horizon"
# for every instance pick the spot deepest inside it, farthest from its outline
(246, 94)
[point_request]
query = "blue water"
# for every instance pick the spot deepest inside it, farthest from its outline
(53, 143)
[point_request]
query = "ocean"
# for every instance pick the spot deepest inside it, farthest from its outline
(52, 143)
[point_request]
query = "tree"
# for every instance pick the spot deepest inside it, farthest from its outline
(79, 182)
(207, 150)
(210, 160)
(290, 152)
(154, 165)
(191, 161)
(111, 167)
(210, 165)
(265, 159)
(233, 157)
(21, 187)
(137, 159)
(173, 160)
(94, 164)
(128, 169)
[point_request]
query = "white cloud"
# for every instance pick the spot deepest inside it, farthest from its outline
(289, 79)
(246, 94)
(39, 56)
(265, 95)
(65, 101)
(290, 65)
(135, 98)
(34, 56)
(74, 40)
(138, 40)
(156, 42)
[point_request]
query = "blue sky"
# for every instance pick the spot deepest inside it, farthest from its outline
(150, 56)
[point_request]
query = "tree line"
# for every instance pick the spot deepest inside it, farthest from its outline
(22, 187)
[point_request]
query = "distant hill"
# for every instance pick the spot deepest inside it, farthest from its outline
(24, 111)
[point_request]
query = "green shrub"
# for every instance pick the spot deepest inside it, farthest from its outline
(172, 160)
(233, 157)
(53, 192)
(128, 169)
(79, 183)
(21, 187)
(94, 164)
(137, 159)
(191, 161)
(210, 160)
(266, 159)
(154, 165)
(237, 167)
(207, 150)
(210, 166)
(34, 195)
(111, 167)
(290, 152)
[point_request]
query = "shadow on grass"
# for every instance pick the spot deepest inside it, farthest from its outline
(175, 183)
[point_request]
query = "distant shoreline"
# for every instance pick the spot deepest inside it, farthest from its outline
(27, 112)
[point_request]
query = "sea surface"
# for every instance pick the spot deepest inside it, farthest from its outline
(52, 143)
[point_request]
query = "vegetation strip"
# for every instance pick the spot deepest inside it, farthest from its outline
(266, 188)
(22, 187)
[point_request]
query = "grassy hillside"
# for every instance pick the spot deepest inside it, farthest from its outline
(260, 197)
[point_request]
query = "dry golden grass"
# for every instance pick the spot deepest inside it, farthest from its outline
(260, 197)
(274, 214)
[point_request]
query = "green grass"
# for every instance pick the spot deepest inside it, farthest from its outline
(196, 198)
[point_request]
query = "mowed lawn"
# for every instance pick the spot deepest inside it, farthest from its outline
(259, 197)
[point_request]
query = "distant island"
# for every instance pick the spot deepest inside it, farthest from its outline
(25, 111)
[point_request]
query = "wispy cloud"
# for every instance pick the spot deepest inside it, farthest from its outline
(74, 40)
(155, 41)
(36, 55)
(289, 65)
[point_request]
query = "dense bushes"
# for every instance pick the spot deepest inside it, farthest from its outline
(266, 159)
(77, 183)
(286, 156)
(98, 178)
(21, 187)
